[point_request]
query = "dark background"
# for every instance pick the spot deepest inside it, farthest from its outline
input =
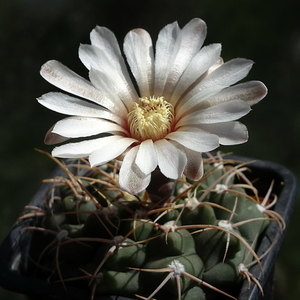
(34, 31)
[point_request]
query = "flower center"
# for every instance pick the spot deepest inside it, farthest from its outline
(151, 118)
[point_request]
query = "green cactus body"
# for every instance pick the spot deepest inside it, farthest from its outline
(139, 230)
(172, 243)
(245, 210)
(223, 275)
(129, 246)
(128, 254)
(194, 293)
(211, 246)
(115, 282)
(192, 264)
(203, 214)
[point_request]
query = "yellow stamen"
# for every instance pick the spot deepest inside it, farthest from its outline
(151, 118)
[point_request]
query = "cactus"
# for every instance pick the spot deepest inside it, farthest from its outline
(197, 242)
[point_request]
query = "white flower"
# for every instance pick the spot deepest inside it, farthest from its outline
(184, 105)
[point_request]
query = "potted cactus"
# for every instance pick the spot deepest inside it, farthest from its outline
(139, 211)
(82, 237)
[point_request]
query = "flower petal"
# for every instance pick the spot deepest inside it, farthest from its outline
(190, 40)
(194, 166)
(131, 178)
(104, 55)
(138, 49)
(67, 80)
(164, 55)
(228, 73)
(109, 151)
(120, 97)
(215, 66)
(224, 75)
(224, 112)
(105, 48)
(175, 48)
(200, 63)
(69, 105)
(230, 133)
(94, 57)
(53, 138)
(146, 158)
(194, 139)
(251, 92)
(105, 40)
(171, 160)
(75, 127)
(196, 102)
(82, 149)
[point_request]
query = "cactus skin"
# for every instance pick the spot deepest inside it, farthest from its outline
(114, 243)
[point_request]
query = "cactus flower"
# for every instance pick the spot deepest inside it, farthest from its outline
(183, 102)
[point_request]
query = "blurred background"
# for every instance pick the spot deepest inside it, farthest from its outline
(34, 31)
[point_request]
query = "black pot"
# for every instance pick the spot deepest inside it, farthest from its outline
(13, 249)
(286, 190)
